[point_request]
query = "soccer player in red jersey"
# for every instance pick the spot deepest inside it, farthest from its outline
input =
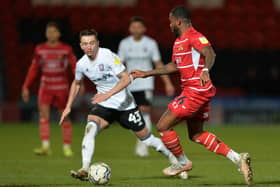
(51, 59)
(193, 57)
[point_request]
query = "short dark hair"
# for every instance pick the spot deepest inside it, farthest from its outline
(53, 24)
(181, 12)
(137, 19)
(88, 32)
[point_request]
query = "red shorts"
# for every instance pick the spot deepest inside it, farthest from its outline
(192, 104)
(56, 98)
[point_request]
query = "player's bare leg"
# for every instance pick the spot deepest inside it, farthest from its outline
(141, 148)
(212, 143)
(94, 125)
(171, 140)
(66, 128)
(44, 130)
(150, 140)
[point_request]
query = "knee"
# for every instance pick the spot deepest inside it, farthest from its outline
(142, 134)
(44, 112)
(44, 115)
(161, 128)
(93, 118)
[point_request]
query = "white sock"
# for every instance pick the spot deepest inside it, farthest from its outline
(157, 144)
(233, 156)
(148, 123)
(183, 159)
(45, 143)
(88, 143)
(147, 119)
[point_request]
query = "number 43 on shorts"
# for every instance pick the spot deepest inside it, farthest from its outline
(135, 117)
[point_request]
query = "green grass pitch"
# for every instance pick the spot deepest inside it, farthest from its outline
(19, 167)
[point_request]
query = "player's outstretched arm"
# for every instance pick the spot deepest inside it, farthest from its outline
(74, 90)
(164, 70)
(210, 56)
(123, 83)
(169, 88)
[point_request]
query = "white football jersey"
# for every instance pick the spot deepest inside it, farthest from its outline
(139, 55)
(103, 73)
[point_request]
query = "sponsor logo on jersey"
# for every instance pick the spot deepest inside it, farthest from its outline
(203, 40)
(180, 48)
(117, 61)
(103, 78)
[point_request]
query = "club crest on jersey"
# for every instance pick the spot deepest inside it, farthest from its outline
(101, 67)
(145, 49)
(203, 40)
(180, 48)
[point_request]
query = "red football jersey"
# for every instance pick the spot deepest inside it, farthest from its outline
(187, 57)
(53, 63)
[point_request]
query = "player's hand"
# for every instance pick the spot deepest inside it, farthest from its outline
(64, 115)
(169, 89)
(204, 77)
(138, 74)
(25, 94)
(98, 98)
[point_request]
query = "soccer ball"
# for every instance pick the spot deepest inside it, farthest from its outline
(99, 173)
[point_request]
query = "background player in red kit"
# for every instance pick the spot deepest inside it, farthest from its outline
(193, 57)
(52, 59)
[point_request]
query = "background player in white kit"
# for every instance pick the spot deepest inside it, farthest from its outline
(139, 51)
(113, 102)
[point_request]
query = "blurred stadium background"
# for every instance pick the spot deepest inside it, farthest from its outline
(244, 33)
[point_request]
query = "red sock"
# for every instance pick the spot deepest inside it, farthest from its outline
(211, 143)
(171, 141)
(67, 132)
(44, 129)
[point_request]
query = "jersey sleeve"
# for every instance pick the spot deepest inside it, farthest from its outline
(72, 59)
(79, 73)
(33, 70)
(198, 41)
(117, 66)
(155, 52)
(121, 51)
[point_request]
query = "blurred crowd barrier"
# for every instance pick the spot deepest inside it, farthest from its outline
(224, 110)
(250, 110)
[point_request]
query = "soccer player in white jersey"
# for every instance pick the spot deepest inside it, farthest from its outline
(139, 51)
(113, 102)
